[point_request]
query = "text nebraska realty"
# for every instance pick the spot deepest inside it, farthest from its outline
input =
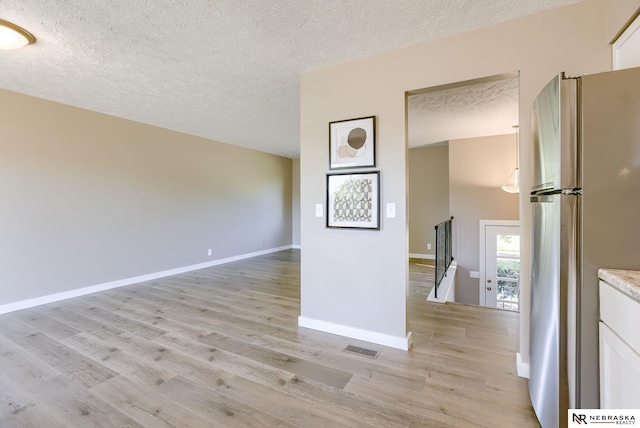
(610, 419)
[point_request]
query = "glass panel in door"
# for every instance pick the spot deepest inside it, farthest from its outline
(502, 289)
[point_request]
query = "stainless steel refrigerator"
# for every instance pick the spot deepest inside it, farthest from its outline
(586, 215)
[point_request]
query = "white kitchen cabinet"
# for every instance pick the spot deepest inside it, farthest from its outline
(619, 349)
(619, 372)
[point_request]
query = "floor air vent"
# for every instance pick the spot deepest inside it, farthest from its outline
(369, 353)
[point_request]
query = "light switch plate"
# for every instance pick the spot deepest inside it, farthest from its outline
(391, 210)
(319, 210)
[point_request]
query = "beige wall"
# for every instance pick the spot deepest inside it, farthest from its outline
(88, 198)
(359, 279)
(295, 202)
(477, 169)
(428, 196)
(619, 15)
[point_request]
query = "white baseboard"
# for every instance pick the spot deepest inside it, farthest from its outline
(51, 298)
(397, 342)
(422, 256)
(447, 288)
(295, 247)
(522, 367)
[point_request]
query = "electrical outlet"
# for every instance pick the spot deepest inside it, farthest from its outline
(428, 246)
(209, 252)
(319, 210)
(391, 210)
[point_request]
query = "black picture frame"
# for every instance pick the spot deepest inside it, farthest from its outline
(352, 143)
(353, 200)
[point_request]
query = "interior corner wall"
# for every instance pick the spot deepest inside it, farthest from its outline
(428, 196)
(477, 169)
(88, 199)
(295, 203)
(359, 278)
(619, 15)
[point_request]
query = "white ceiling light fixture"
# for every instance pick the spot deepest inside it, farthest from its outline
(512, 185)
(13, 36)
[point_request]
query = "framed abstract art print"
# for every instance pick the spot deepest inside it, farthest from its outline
(353, 200)
(352, 143)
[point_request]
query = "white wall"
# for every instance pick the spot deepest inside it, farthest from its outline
(356, 279)
(88, 199)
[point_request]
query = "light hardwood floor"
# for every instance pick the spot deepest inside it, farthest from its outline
(220, 347)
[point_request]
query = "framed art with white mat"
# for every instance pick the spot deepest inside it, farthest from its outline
(352, 143)
(353, 200)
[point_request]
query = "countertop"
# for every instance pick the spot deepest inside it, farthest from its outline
(627, 281)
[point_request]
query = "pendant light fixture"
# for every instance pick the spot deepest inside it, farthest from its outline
(13, 36)
(512, 185)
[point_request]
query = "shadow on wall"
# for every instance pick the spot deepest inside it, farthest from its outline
(428, 197)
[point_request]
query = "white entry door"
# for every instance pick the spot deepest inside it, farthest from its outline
(500, 278)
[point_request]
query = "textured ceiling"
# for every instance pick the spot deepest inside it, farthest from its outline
(471, 110)
(226, 69)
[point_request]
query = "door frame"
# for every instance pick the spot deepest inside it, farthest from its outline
(483, 257)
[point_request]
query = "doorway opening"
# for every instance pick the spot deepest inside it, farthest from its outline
(462, 146)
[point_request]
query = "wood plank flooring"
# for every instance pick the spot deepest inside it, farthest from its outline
(220, 347)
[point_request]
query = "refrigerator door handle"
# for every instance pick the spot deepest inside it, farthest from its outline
(572, 191)
(545, 187)
(544, 196)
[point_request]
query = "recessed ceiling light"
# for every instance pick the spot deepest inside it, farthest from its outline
(13, 36)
